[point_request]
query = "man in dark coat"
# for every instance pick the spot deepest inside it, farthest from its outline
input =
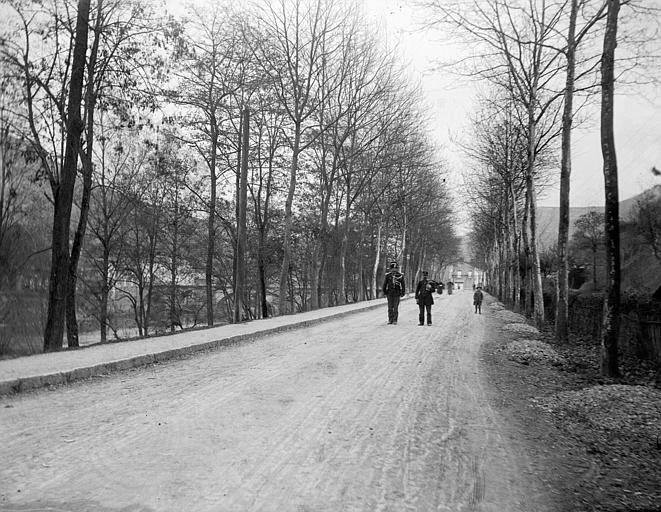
(424, 298)
(393, 288)
(477, 300)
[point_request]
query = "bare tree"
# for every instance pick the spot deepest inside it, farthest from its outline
(611, 326)
(301, 42)
(370, 107)
(522, 58)
(574, 38)
(118, 161)
(208, 75)
(118, 52)
(266, 170)
(62, 67)
(241, 228)
(143, 240)
(497, 181)
(64, 188)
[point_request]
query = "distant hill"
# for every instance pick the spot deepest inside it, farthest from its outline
(548, 217)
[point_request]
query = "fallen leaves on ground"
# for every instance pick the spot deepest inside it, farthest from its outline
(620, 426)
(510, 317)
(520, 328)
(528, 351)
(604, 435)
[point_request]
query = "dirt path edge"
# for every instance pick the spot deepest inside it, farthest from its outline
(59, 378)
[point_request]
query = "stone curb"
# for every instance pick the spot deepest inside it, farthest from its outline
(22, 384)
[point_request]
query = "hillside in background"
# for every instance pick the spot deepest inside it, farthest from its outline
(548, 217)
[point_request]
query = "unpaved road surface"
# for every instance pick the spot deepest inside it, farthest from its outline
(348, 415)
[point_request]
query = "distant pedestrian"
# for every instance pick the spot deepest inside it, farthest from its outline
(449, 287)
(393, 288)
(439, 288)
(477, 300)
(424, 298)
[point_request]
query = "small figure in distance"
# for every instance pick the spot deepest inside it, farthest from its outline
(439, 288)
(424, 298)
(477, 299)
(393, 288)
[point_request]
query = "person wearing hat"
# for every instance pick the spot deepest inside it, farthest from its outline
(424, 298)
(477, 299)
(393, 289)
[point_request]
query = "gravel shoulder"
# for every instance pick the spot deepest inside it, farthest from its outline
(593, 443)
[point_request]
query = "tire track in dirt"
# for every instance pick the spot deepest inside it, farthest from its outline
(348, 415)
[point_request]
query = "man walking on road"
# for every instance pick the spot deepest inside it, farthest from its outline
(393, 288)
(477, 300)
(424, 298)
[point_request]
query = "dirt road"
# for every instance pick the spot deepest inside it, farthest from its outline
(348, 415)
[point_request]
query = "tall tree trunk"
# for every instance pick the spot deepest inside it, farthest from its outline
(261, 267)
(342, 299)
(105, 291)
(527, 281)
(79, 238)
(562, 311)
(314, 277)
(63, 194)
(517, 264)
(377, 258)
(103, 313)
(211, 224)
(362, 291)
(516, 274)
(140, 307)
(538, 306)
(286, 256)
(174, 262)
(511, 263)
(76, 249)
(323, 254)
(403, 265)
(611, 326)
(241, 242)
(150, 287)
(261, 270)
(594, 269)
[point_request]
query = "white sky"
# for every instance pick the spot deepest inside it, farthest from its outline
(637, 119)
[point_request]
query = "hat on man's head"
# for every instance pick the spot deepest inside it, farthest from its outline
(393, 264)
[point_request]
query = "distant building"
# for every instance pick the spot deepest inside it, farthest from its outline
(464, 275)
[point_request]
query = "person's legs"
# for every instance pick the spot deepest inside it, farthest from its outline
(428, 314)
(391, 308)
(421, 314)
(395, 309)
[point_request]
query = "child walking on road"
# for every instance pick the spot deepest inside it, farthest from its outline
(477, 300)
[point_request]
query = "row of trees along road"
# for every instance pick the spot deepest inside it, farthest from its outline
(538, 58)
(279, 151)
